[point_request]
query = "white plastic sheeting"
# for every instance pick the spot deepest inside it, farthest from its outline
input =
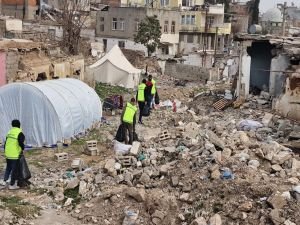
(115, 69)
(49, 111)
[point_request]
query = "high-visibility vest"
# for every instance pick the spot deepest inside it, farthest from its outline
(141, 92)
(153, 89)
(129, 113)
(12, 147)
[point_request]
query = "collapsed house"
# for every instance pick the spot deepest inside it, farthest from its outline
(271, 64)
(26, 61)
(49, 111)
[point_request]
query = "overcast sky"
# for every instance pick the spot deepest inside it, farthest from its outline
(267, 4)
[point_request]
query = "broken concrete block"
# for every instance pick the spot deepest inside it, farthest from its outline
(184, 197)
(213, 138)
(110, 167)
(246, 207)
(295, 164)
(138, 194)
(267, 120)
(158, 214)
(77, 164)
(174, 181)
(135, 149)
(281, 157)
(145, 179)
(73, 183)
(275, 217)
(277, 201)
(254, 164)
(217, 156)
(164, 169)
(98, 178)
(276, 168)
(199, 221)
(83, 188)
(226, 153)
(215, 175)
(215, 220)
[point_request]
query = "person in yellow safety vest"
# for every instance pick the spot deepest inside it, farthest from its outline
(141, 98)
(13, 149)
(128, 118)
(153, 90)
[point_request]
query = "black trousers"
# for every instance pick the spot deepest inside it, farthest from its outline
(128, 132)
(11, 166)
(141, 107)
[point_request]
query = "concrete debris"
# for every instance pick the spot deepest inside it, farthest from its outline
(139, 194)
(215, 220)
(199, 221)
(195, 166)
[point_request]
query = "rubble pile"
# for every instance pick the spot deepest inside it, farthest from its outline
(195, 166)
(190, 167)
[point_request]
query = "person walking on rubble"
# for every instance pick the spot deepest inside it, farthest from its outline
(13, 149)
(153, 90)
(128, 119)
(141, 99)
(148, 95)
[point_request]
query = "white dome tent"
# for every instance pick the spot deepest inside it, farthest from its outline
(49, 111)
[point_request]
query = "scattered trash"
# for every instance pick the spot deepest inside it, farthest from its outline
(247, 125)
(130, 217)
(120, 148)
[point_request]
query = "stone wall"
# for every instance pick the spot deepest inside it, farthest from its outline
(186, 72)
(12, 64)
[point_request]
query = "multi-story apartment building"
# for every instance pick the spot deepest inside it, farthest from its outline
(203, 28)
(239, 16)
(119, 25)
(21, 9)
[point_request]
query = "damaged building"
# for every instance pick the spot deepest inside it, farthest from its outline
(24, 60)
(271, 65)
(21, 9)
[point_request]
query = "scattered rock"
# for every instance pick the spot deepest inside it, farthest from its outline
(215, 220)
(275, 217)
(110, 167)
(184, 197)
(215, 175)
(276, 168)
(73, 183)
(254, 164)
(213, 138)
(199, 221)
(277, 201)
(174, 181)
(98, 178)
(139, 194)
(246, 207)
(145, 179)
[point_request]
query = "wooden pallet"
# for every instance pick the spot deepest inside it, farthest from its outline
(222, 104)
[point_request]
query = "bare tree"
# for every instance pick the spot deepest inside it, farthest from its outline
(73, 19)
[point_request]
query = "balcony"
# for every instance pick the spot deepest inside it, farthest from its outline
(224, 28)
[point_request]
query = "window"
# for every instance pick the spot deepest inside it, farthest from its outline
(183, 19)
(102, 27)
(188, 19)
(114, 24)
(164, 2)
(118, 24)
(190, 38)
(210, 20)
(187, 3)
(121, 24)
(121, 44)
(166, 26)
(193, 19)
(173, 27)
(181, 37)
(102, 19)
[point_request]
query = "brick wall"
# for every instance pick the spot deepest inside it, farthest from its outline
(186, 72)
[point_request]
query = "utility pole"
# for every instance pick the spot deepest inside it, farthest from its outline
(283, 8)
(206, 7)
(216, 45)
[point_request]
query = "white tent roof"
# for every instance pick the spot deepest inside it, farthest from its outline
(117, 58)
(49, 111)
